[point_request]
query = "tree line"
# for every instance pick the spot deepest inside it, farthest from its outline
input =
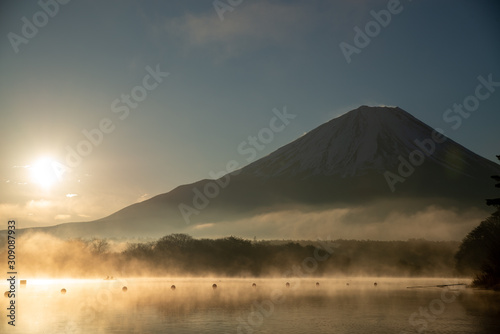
(479, 253)
(181, 254)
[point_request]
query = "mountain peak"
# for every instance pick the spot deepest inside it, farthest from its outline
(375, 113)
(364, 140)
(370, 109)
(360, 140)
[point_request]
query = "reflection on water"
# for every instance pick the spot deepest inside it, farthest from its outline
(251, 306)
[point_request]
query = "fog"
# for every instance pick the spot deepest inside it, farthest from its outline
(182, 284)
(151, 305)
(382, 220)
(177, 255)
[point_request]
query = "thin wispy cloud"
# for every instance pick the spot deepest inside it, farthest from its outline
(249, 27)
(62, 217)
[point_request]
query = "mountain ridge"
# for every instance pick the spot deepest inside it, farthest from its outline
(367, 115)
(341, 163)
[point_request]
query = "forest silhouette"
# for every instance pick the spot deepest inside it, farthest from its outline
(183, 255)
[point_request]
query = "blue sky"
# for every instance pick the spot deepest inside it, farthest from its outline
(224, 79)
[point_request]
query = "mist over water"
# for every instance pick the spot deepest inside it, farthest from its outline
(179, 284)
(383, 220)
(45, 256)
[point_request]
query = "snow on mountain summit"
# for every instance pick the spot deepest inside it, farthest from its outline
(362, 140)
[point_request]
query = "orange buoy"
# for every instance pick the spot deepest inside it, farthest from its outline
(254, 285)
(124, 289)
(214, 286)
(287, 284)
(172, 287)
(317, 283)
(63, 291)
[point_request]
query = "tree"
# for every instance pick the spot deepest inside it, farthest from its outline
(495, 201)
(98, 246)
(489, 277)
(480, 249)
(479, 246)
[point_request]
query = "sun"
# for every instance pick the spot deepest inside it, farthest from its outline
(43, 173)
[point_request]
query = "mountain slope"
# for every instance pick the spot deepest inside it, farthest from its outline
(368, 155)
(364, 140)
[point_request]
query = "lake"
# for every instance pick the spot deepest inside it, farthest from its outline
(340, 305)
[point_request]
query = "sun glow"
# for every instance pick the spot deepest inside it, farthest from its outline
(43, 173)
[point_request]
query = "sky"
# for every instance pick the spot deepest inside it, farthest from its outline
(107, 103)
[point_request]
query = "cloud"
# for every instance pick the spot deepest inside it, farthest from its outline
(28, 214)
(204, 226)
(248, 27)
(62, 217)
(380, 221)
(143, 197)
(39, 204)
(53, 210)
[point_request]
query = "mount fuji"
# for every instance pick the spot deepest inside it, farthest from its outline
(374, 172)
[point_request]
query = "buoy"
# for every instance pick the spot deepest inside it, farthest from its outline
(7, 294)
(63, 291)
(254, 285)
(347, 284)
(214, 286)
(124, 289)
(172, 287)
(287, 284)
(375, 284)
(23, 282)
(317, 283)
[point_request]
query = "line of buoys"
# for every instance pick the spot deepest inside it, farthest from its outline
(173, 287)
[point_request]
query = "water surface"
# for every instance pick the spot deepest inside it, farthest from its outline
(341, 305)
